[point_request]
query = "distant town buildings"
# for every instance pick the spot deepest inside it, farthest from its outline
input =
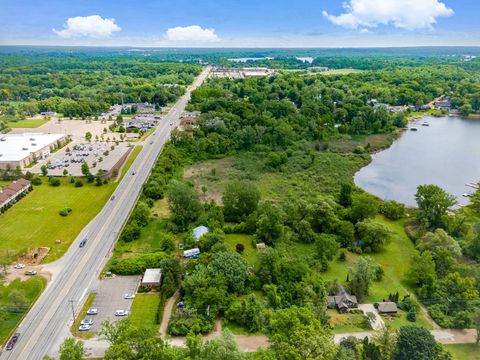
(241, 73)
(9, 194)
(444, 104)
(20, 150)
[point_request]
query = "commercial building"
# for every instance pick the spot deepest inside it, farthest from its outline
(20, 150)
(9, 194)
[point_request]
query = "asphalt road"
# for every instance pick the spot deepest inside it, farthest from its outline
(47, 323)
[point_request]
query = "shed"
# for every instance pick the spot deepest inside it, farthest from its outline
(152, 278)
(260, 246)
(192, 253)
(386, 307)
(198, 232)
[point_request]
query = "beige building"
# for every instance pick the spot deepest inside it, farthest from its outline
(20, 150)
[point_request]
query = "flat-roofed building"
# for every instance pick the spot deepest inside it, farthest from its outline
(152, 278)
(20, 150)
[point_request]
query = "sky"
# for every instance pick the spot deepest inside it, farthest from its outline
(246, 23)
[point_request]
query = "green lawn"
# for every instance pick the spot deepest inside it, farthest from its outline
(144, 310)
(29, 123)
(395, 260)
(35, 221)
(130, 160)
(250, 253)
(400, 320)
(81, 315)
(31, 289)
(464, 351)
(343, 323)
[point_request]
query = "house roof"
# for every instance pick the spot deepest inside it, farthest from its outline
(152, 276)
(198, 232)
(387, 307)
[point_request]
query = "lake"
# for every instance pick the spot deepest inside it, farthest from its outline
(446, 153)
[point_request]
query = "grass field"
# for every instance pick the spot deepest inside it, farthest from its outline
(30, 289)
(249, 253)
(299, 177)
(29, 123)
(80, 316)
(35, 221)
(130, 160)
(464, 351)
(144, 310)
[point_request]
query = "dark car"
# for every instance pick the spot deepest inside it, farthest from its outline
(83, 242)
(13, 340)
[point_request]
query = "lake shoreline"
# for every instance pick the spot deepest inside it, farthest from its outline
(440, 154)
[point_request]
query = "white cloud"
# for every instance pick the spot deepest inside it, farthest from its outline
(191, 34)
(404, 14)
(93, 26)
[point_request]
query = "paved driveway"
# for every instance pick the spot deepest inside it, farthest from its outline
(378, 322)
(110, 298)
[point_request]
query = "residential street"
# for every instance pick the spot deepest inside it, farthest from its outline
(47, 323)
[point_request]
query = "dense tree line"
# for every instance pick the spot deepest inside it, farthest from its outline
(79, 86)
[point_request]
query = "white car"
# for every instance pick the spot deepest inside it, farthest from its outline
(129, 296)
(121, 313)
(84, 328)
(92, 311)
(86, 322)
(19, 266)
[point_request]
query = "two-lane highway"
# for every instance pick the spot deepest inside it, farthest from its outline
(47, 322)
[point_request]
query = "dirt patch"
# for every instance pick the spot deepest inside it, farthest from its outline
(34, 256)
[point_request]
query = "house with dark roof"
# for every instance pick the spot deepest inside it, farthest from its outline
(342, 300)
(386, 307)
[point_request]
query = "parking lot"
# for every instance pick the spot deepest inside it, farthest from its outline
(72, 156)
(110, 298)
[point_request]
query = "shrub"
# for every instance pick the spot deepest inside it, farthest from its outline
(342, 256)
(136, 265)
(240, 248)
(78, 183)
(36, 181)
(393, 210)
(65, 211)
(54, 181)
(412, 315)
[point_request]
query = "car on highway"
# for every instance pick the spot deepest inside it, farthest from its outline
(84, 328)
(83, 242)
(112, 198)
(134, 172)
(19, 266)
(13, 340)
(121, 313)
(171, 124)
(86, 322)
(92, 311)
(129, 296)
(30, 272)
(151, 142)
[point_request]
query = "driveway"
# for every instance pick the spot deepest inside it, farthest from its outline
(377, 322)
(110, 298)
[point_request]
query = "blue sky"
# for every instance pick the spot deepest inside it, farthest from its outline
(246, 23)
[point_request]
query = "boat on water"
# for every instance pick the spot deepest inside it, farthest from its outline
(473, 185)
(467, 195)
(425, 123)
(413, 129)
